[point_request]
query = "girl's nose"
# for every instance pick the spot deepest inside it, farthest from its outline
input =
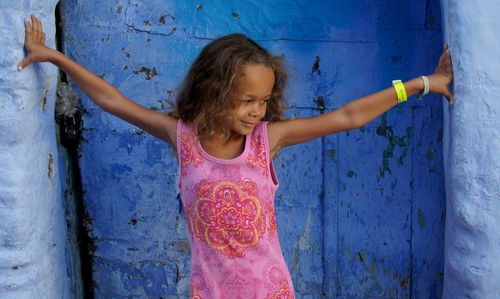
(258, 110)
(254, 111)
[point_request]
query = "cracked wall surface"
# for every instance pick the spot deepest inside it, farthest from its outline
(32, 222)
(360, 214)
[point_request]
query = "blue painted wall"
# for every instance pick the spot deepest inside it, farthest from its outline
(360, 214)
(472, 152)
(33, 239)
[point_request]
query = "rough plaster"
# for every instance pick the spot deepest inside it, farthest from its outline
(472, 152)
(32, 222)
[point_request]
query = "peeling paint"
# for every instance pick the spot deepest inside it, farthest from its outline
(303, 243)
(430, 153)
(320, 102)
(235, 15)
(401, 141)
(150, 73)
(50, 167)
(315, 66)
(44, 92)
(332, 153)
(421, 219)
(126, 53)
(138, 131)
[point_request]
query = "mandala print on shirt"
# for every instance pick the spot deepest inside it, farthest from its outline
(199, 286)
(194, 293)
(283, 293)
(239, 284)
(276, 281)
(189, 153)
(258, 158)
(228, 216)
(272, 227)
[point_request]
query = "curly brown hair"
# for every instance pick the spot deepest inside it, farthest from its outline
(212, 84)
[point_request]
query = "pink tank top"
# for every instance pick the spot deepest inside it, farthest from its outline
(229, 207)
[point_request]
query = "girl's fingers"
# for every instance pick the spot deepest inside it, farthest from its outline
(34, 30)
(39, 24)
(24, 63)
(449, 96)
(444, 64)
(27, 26)
(37, 29)
(35, 24)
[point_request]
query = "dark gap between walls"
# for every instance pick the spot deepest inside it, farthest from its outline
(68, 118)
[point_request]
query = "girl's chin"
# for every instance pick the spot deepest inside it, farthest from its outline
(242, 132)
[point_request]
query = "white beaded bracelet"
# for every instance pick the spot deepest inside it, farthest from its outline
(426, 87)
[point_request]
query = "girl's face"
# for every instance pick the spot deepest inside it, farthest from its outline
(257, 87)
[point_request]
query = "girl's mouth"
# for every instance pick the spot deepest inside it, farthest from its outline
(248, 124)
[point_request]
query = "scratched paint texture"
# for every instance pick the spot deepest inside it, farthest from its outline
(360, 214)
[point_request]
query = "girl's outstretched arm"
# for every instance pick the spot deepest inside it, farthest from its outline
(101, 92)
(358, 112)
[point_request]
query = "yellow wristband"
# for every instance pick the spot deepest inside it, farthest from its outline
(400, 90)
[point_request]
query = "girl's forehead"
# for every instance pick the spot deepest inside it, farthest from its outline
(257, 79)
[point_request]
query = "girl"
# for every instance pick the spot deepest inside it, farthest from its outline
(226, 129)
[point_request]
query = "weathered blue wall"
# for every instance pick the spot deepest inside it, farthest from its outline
(32, 221)
(360, 214)
(472, 152)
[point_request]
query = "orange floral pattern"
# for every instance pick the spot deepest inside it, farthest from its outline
(231, 221)
(258, 156)
(197, 285)
(282, 293)
(194, 293)
(277, 282)
(189, 153)
(228, 216)
(272, 219)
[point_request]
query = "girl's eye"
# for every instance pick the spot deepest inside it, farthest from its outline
(250, 101)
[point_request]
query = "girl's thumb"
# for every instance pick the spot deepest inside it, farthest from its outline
(24, 63)
(448, 96)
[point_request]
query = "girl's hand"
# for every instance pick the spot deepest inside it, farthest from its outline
(442, 77)
(34, 42)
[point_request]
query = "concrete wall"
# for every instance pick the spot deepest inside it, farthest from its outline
(472, 152)
(32, 222)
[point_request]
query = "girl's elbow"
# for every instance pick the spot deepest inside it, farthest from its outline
(352, 121)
